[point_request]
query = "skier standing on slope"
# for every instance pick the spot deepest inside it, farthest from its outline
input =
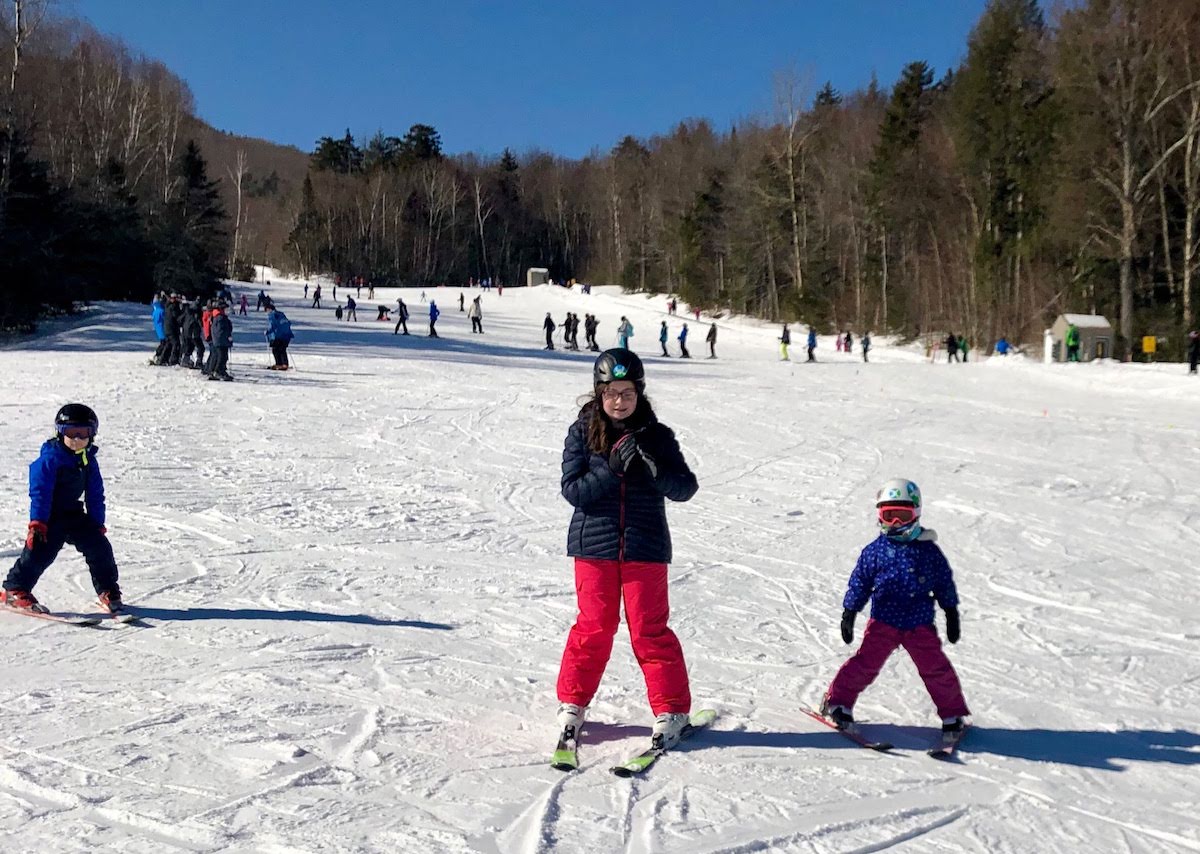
(549, 327)
(64, 473)
(157, 315)
(866, 345)
(683, 350)
(434, 314)
(279, 335)
(624, 333)
(662, 338)
(812, 344)
(711, 338)
(619, 464)
(903, 572)
(221, 327)
(785, 341)
(475, 313)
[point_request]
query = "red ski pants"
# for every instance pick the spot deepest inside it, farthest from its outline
(600, 587)
(923, 646)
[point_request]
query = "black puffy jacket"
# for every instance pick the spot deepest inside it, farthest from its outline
(623, 518)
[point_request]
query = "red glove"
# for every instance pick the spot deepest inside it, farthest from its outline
(103, 530)
(36, 535)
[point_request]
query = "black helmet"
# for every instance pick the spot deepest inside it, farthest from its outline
(619, 364)
(76, 415)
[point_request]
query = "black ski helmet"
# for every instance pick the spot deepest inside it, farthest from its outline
(619, 364)
(76, 415)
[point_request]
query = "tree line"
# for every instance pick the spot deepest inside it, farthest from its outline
(1057, 168)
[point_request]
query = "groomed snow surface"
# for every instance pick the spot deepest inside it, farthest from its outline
(356, 580)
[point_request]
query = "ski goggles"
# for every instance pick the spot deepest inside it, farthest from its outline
(897, 515)
(76, 431)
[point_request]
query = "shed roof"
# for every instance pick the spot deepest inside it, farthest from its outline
(1088, 321)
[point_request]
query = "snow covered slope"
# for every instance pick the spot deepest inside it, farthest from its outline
(359, 597)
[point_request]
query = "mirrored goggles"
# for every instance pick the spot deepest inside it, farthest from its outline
(897, 515)
(76, 431)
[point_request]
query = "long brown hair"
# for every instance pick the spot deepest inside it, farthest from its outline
(602, 434)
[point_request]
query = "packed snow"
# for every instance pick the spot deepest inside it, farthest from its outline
(356, 595)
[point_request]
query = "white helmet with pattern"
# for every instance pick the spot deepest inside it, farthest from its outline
(899, 491)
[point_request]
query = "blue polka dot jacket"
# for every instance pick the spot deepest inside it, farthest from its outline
(902, 580)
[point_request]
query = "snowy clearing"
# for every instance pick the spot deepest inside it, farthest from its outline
(358, 592)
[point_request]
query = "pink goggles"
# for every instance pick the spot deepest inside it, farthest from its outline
(897, 515)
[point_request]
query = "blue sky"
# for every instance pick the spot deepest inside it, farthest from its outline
(561, 76)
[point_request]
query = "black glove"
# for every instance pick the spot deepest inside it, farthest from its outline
(848, 625)
(952, 629)
(623, 453)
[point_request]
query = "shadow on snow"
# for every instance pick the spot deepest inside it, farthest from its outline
(185, 614)
(1082, 748)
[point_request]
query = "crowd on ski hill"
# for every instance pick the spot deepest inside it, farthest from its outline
(198, 334)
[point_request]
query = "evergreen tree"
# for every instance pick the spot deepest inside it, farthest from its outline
(192, 239)
(420, 144)
(305, 238)
(1003, 115)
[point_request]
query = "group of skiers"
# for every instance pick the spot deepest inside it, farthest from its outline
(845, 343)
(956, 344)
(710, 338)
(185, 326)
(570, 331)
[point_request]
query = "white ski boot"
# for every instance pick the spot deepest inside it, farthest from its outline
(668, 728)
(570, 720)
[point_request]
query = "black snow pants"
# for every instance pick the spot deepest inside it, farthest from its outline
(77, 529)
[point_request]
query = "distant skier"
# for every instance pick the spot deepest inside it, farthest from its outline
(1193, 351)
(401, 316)
(624, 333)
(589, 331)
(785, 341)
(460, 301)
(662, 338)
(306, 290)
(683, 350)
(65, 472)
(619, 464)
(1002, 346)
(963, 347)
(903, 572)
(549, 326)
(1072, 343)
(222, 340)
(351, 309)
(848, 342)
(173, 327)
(279, 335)
(157, 316)
(316, 303)
(812, 344)
(262, 300)
(475, 313)
(866, 345)
(243, 309)
(711, 338)
(193, 335)
(434, 314)
(951, 343)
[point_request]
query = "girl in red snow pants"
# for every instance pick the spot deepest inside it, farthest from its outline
(601, 586)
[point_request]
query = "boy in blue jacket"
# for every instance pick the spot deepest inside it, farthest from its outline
(64, 473)
(902, 573)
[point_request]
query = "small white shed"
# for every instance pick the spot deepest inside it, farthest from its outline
(537, 276)
(1095, 337)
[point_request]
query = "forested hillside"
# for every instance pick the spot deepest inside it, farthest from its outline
(1057, 168)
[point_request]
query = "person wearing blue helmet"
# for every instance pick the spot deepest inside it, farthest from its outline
(66, 505)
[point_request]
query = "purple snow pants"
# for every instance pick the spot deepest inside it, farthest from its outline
(923, 646)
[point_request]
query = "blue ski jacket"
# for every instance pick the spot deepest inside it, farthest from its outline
(279, 328)
(902, 580)
(59, 477)
(156, 314)
(623, 517)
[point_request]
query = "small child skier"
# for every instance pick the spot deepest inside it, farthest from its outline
(902, 572)
(64, 473)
